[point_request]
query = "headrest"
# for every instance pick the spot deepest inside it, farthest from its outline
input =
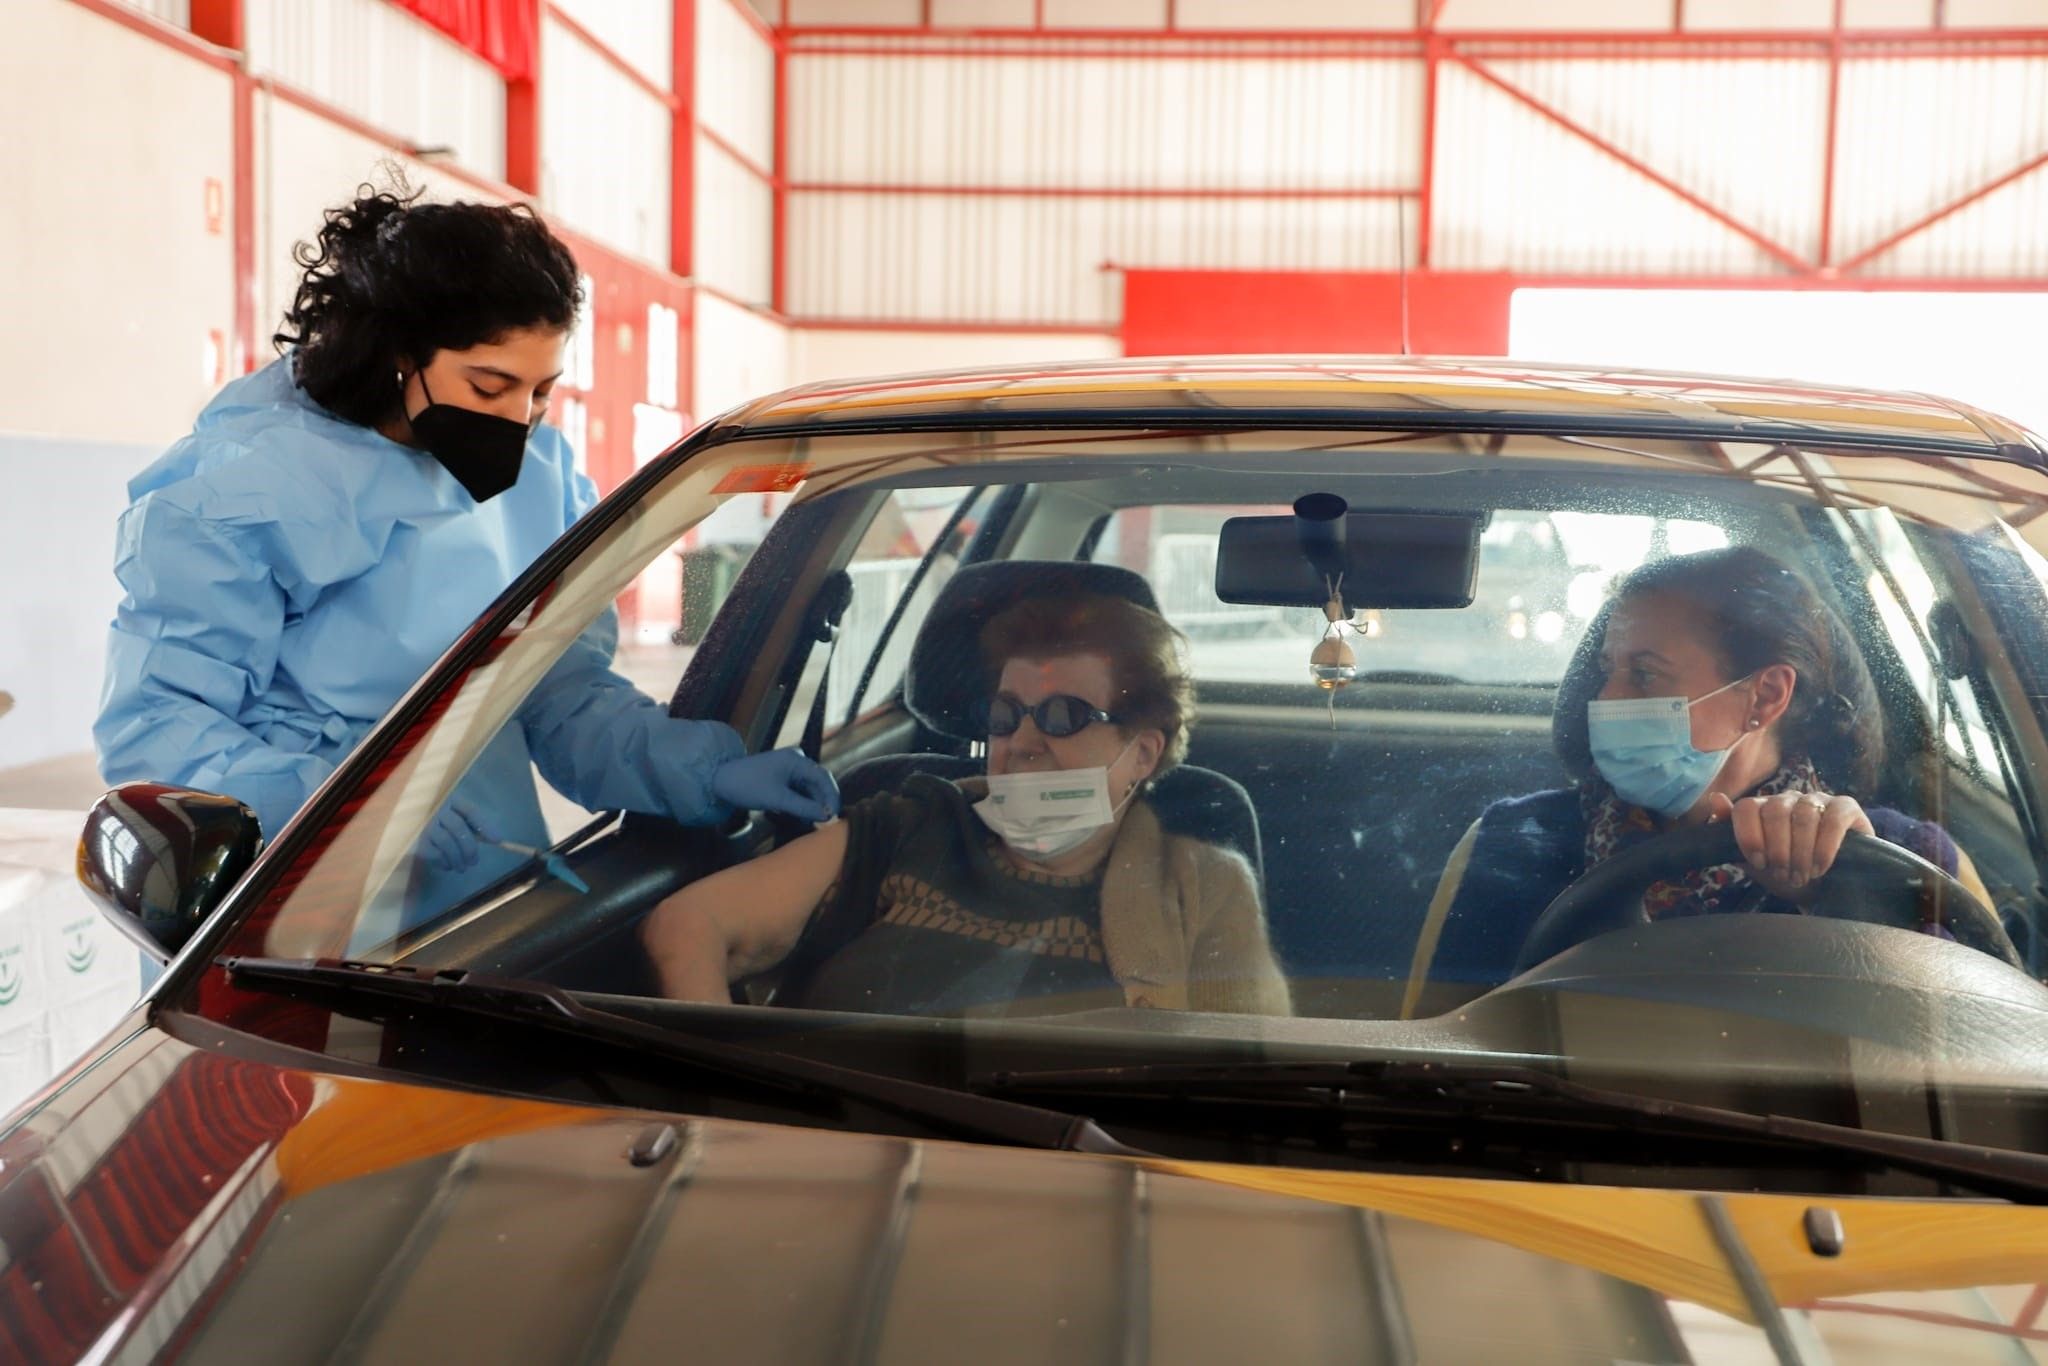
(947, 676)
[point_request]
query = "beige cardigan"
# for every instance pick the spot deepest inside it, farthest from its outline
(1182, 928)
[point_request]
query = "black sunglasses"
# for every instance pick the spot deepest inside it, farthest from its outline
(1058, 716)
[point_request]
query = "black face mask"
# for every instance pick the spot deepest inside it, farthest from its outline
(481, 450)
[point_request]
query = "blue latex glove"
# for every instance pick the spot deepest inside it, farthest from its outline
(779, 780)
(451, 841)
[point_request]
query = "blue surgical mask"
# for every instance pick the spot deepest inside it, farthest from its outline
(1643, 748)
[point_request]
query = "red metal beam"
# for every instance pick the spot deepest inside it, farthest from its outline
(522, 132)
(1425, 209)
(223, 24)
(633, 74)
(1694, 47)
(1827, 174)
(1096, 191)
(1707, 42)
(778, 258)
(1867, 255)
(682, 151)
(248, 345)
(1792, 260)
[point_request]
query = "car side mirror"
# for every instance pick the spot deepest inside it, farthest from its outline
(158, 859)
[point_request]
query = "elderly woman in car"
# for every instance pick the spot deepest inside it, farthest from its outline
(1715, 687)
(1049, 885)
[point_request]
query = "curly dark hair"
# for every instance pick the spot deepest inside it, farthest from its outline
(390, 279)
(1761, 614)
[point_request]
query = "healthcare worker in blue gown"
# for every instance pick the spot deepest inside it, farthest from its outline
(338, 518)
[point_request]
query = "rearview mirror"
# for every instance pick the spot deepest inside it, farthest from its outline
(159, 859)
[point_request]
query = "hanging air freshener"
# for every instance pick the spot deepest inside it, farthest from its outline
(1331, 664)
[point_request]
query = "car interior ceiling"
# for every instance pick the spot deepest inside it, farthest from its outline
(1359, 812)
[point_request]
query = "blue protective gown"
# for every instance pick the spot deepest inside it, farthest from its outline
(290, 574)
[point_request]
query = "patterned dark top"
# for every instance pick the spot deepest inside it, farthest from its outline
(930, 916)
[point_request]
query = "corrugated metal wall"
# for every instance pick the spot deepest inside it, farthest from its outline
(604, 149)
(641, 31)
(735, 203)
(378, 63)
(997, 185)
(1918, 133)
(990, 179)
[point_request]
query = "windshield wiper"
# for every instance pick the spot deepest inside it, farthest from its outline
(350, 986)
(1400, 1094)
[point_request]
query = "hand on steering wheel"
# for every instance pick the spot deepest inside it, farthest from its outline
(1790, 839)
(1871, 881)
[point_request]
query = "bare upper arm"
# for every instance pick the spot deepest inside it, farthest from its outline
(760, 907)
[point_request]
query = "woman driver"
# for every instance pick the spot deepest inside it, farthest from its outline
(1726, 690)
(1048, 886)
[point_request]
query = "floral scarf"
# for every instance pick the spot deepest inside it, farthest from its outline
(1613, 825)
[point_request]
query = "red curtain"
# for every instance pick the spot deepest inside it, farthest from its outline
(502, 32)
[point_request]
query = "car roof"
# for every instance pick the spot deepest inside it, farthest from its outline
(1421, 393)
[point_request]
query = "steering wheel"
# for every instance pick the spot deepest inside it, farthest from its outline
(1871, 881)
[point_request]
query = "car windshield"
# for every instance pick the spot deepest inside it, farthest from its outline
(1405, 814)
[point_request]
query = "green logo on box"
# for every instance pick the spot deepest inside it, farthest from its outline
(80, 953)
(10, 983)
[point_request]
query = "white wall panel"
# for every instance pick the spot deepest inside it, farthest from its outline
(1040, 260)
(1918, 134)
(2003, 234)
(1515, 191)
(306, 165)
(983, 13)
(604, 149)
(375, 61)
(838, 353)
(735, 228)
(1995, 14)
(641, 31)
(1749, 137)
(1127, 14)
(111, 283)
(894, 12)
(740, 355)
(111, 276)
(1761, 15)
(1892, 14)
(1579, 15)
(1297, 14)
(1299, 122)
(176, 13)
(735, 81)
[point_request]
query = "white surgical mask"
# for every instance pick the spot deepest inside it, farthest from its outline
(1044, 815)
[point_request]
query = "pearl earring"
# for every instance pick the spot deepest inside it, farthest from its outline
(1754, 723)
